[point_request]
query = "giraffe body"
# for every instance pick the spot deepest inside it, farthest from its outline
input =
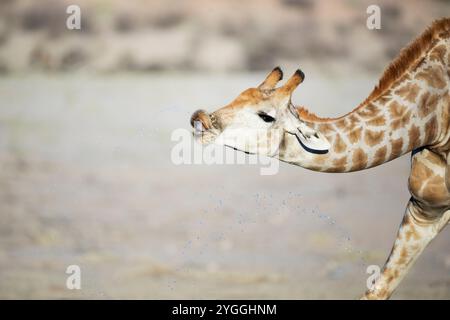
(409, 111)
(427, 213)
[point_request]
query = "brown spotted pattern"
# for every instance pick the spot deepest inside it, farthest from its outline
(428, 103)
(438, 54)
(399, 121)
(411, 112)
(410, 108)
(433, 77)
(373, 138)
(359, 160)
(408, 92)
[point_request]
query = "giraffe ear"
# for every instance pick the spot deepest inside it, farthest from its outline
(311, 140)
(272, 79)
(288, 88)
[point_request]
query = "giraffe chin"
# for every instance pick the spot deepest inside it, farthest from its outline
(206, 136)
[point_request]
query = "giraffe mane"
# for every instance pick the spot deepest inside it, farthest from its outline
(305, 114)
(407, 59)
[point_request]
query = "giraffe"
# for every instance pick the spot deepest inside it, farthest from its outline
(407, 112)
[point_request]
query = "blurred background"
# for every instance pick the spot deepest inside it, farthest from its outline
(86, 176)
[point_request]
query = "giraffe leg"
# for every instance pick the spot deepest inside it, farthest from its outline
(415, 233)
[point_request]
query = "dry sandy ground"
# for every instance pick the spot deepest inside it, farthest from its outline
(86, 178)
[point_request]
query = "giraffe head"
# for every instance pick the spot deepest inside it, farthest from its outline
(258, 119)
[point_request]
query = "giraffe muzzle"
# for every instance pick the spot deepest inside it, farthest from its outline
(200, 120)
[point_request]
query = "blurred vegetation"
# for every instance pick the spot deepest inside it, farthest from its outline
(220, 35)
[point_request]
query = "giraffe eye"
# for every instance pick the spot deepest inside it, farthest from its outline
(266, 117)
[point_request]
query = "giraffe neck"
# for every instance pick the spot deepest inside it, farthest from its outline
(408, 115)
